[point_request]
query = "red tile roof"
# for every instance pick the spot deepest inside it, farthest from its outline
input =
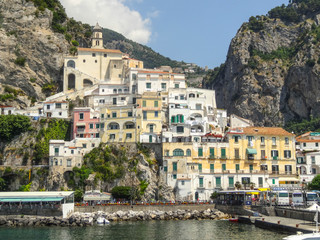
(99, 50)
(274, 131)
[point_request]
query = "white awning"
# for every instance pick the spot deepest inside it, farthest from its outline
(289, 179)
(81, 124)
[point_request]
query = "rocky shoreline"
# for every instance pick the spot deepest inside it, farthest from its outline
(87, 219)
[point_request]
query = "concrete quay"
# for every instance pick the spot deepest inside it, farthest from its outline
(282, 224)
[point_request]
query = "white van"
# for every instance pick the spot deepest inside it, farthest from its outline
(283, 198)
(297, 198)
(312, 198)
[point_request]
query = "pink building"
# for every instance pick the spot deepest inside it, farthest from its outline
(86, 123)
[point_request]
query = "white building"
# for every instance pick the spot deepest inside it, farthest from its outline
(56, 109)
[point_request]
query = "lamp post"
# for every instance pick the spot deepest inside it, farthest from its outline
(303, 186)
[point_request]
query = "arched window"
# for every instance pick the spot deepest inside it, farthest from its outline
(97, 35)
(119, 90)
(192, 95)
(113, 126)
(188, 152)
(71, 64)
(114, 90)
(134, 76)
(97, 43)
(178, 152)
(87, 83)
(71, 81)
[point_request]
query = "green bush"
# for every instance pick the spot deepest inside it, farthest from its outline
(48, 88)
(21, 61)
(13, 125)
(68, 37)
(5, 97)
(73, 50)
(10, 90)
(255, 24)
(122, 192)
(75, 43)
(33, 80)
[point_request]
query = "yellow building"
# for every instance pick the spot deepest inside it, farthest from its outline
(149, 109)
(120, 124)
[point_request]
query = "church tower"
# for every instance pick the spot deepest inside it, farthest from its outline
(97, 40)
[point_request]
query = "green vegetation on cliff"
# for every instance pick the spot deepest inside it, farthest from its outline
(300, 127)
(13, 125)
(56, 129)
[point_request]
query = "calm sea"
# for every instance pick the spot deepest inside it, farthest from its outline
(190, 229)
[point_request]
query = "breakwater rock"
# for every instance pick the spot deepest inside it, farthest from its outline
(86, 219)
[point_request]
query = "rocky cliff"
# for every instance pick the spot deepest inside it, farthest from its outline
(271, 74)
(31, 54)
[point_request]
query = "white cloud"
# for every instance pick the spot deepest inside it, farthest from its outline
(112, 14)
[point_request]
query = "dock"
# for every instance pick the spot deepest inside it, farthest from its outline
(282, 224)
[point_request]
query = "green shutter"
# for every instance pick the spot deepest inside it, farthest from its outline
(156, 103)
(200, 153)
(165, 168)
(231, 182)
(201, 181)
(218, 181)
(144, 103)
(211, 152)
(223, 166)
(200, 167)
(223, 152)
(174, 165)
(172, 119)
(251, 167)
(237, 167)
(211, 167)
(182, 119)
(177, 119)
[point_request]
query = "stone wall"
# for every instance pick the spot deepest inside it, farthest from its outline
(165, 208)
(296, 213)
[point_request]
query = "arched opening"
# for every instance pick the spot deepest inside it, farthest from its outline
(197, 128)
(119, 90)
(196, 116)
(303, 170)
(71, 81)
(178, 152)
(129, 125)
(71, 64)
(113, 126)
(87, 83)
(192, 95)
(188, 152)
(114, 90)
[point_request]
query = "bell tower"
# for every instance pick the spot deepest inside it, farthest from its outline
(97, 40)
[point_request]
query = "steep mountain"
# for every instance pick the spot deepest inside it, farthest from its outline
(271, 74)
(35, 35)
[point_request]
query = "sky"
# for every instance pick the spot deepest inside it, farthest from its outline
(185, 30)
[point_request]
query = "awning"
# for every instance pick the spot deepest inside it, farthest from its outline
(288, 179)
(81, 124)
(264, 189)
(251, 151)
(51, 199)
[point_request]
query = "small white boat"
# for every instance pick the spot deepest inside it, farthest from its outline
(102, 220)
(303, 236)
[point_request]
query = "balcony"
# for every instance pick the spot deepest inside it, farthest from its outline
(223, 157)
(250, 158)
(237, 157)
(212, 157)
(274, 158)
(288, 173)
(275, 173)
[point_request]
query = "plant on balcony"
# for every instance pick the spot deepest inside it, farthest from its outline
(252, 185)
(238, 185)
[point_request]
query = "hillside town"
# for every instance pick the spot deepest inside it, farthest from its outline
(203, 148)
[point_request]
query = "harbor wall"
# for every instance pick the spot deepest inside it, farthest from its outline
(301, 214)
(165, 208)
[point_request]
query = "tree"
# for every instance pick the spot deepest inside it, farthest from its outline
(315, 183)
(214, 195)
(123, 192)
(238, 185)
(78, 195)
(3, 184)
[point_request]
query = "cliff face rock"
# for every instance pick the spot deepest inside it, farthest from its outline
(271, 75)
(25, 33)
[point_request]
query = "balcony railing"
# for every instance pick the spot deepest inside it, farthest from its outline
(250, 158)
(274, 158)
(212, 157)
(223, 157)
(237, 157)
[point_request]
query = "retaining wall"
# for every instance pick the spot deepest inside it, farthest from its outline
(296, 213)
(165, 208)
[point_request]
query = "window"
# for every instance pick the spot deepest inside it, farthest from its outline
(188, 152)
(69, 163)
(212, 168)
(165, 168)
(287, 153)
(95, 61)
(56, 151)
(129, 114)
(286, 140)
(176, 85)
(274, 154)
(264, 167)
(236, 139)
(114, 114)
(102, 125)
(181, 97)
(72, 151)
(105, 55)
(274, 141)
(155, 103)
(275, 169)
(314, 171)
(262, 140)
(102, 115)
(224, 168)
(48, 107)
(211, 152)
(200, 182)
(198, 106)
(58, 105)
(174, 166)
(91, 125)
(144, 115)
(128, 135)
(114, 101)
(123, 98)
(151, 128)
(176, 97)
(245, 180)
(60, 113)
(144, 103)
(250, 141)
(251, 167)
(237, 167)
(93, 54)
(163, 86)
(180, 129)
(167, 153)
(84, 60)
(148, 85)
(223, 153)
(97, 125)
(80, 116)
(231, 182)
(200, 167)
(263, 154)
(236, 153)
(288, 169)
(260, 180)
(178, 152)
(200, 152)
(156, 114)
(313, 160)
(174, 176)
(304, 144)
(218, 182)
(93, 145)
(317, 144)
(112, 136)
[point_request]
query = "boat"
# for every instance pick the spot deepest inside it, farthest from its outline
(303, 236)
(102, 220)
(233, 219)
